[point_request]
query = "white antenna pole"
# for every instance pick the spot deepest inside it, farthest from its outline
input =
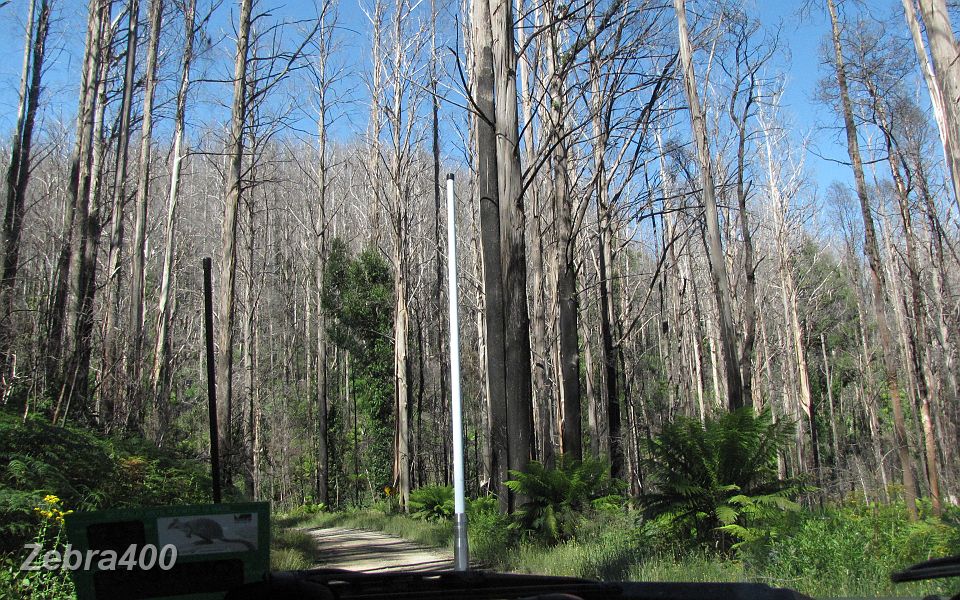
(460, 549)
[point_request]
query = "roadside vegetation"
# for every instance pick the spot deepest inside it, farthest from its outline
(848, 549)
(720, 513)
(47, 471)
(717, 511)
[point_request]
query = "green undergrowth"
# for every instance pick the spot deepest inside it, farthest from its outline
(852, 549)
(86, 471)
(47, 472)
(847, 550)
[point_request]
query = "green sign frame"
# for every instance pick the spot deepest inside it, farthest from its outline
(219, 546)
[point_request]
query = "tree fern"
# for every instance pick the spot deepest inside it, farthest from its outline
(718, 477)
(432, 502)
(558, 497)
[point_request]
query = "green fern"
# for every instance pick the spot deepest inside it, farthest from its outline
(432, 502)
(557, 498)
(718, 478)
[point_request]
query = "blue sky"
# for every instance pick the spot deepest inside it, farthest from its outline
(802, 37)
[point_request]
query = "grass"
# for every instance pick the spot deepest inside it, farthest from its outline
(608, 556)
(290, 549)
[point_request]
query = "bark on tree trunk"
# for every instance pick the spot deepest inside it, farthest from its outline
(401, 232)
(134, 352)
(571, 440)
(400, 331)
(489, 197)
(935, 89)
(943, 49)
(376, 124)
(441, 344)
(749, 267)
(917, 338)
(322, 435)
(611, 437)
(161, 355)
(942, 291)
(78, 187)
(833, 419)
(512, 245)
(248, 469)
(83, 268)
(539, 343)
(111, 375)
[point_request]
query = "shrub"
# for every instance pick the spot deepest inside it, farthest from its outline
(482, 505)
(308, 509)
(87, 471)
(492, 541)
(556, 499)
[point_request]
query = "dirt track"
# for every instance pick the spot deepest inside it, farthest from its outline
(374, 552)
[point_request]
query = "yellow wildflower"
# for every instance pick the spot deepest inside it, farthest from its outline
(51, 509)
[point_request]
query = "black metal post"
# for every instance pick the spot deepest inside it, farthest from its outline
(211, 379)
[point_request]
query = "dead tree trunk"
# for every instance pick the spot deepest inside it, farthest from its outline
(610, 434)
(228, 244)
(946, 129)
(161, 356)
(512, 243)
(715, 254)
(134, 352)
(943, 50)
(18, 175)
(322, 408)
(539, 344)
(918, 339)
(871, 248)
(441, 344)
(376, 124)
(111, 376)
(568, 311)
(749, 267)
(83, 267)
(56, 318)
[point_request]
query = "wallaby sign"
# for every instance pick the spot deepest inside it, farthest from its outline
(197, 534)
(217, 547)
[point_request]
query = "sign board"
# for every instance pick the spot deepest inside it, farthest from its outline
(218, 547)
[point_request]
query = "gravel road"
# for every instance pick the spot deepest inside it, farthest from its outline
(374, 552)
